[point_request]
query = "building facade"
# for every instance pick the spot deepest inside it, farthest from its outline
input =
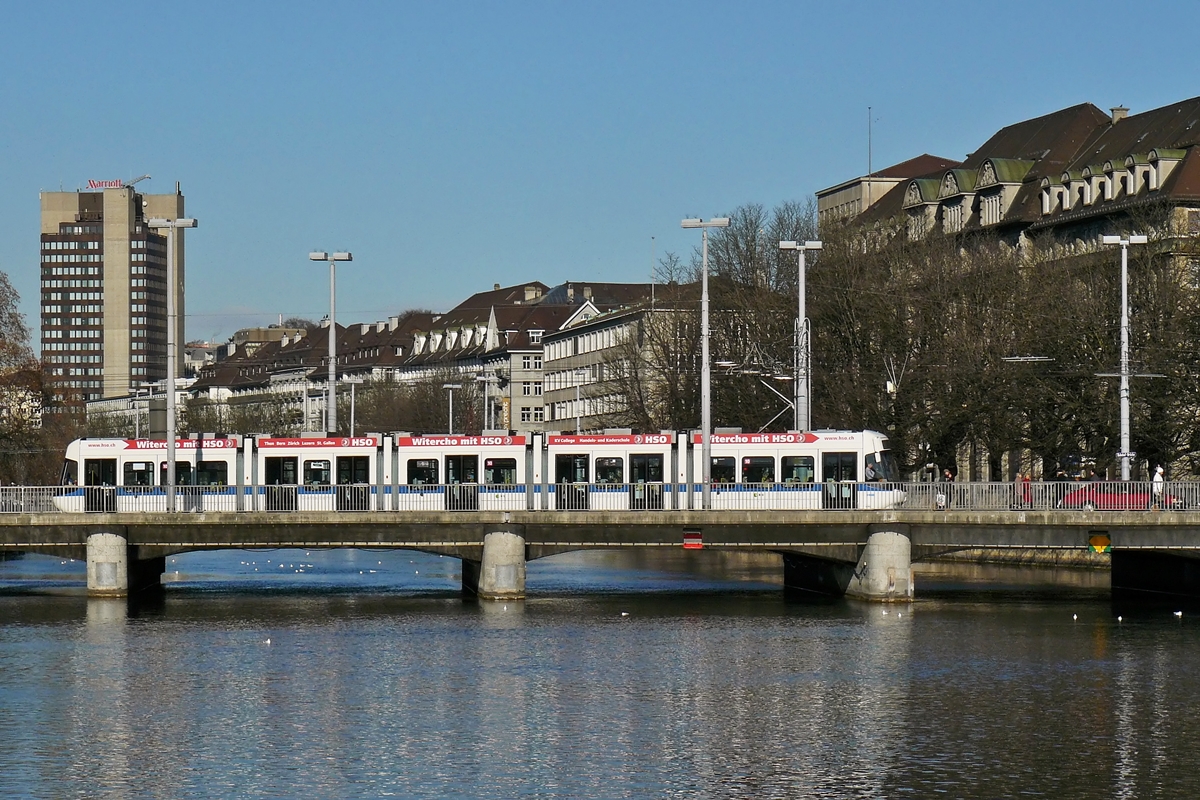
(104, 290)
(1049, 191)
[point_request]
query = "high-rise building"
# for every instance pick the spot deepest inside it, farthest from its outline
(104, 285)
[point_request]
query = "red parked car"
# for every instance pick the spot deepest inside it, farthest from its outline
(1117, 496)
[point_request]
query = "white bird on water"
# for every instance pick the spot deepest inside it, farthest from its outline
(1179, 613)
(1075, 616)
(268, 641)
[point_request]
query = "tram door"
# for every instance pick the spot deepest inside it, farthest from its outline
(353, 483)
(646, 481)
(840, 474)
(571, 482)
(462, 483)
(100, 484)
(279, 475)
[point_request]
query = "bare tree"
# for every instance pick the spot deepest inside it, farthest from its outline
(15, 352)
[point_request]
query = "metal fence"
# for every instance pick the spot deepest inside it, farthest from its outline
(1016, 497)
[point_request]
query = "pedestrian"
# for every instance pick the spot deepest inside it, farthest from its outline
(1026, 490)
(948, 490)
(1156, 494)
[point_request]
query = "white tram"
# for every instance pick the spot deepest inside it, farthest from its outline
(325, 474)
(615, 471)
(463, 473)
(810, 470)
(612, 472)
(129, 474)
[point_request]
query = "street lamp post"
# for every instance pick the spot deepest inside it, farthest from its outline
(331, 391)
(800, 392)
(705, 375)
(171, 225)
(1126, 455)
(450, 387)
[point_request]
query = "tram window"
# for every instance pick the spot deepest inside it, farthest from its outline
(422, 471)
(571, 469)
(100, 471)
(212, 473)
(758, 469)
(610, 470)
(183, 473)
(138, 473)
(462, 469)
(839, 466)
(353, 469)
(500, 471)
(280, 471)
(317, 473)
(70, 473)
(645, 468)
(723, 470)
(799, 469)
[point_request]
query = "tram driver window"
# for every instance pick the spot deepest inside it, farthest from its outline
(758, 469)
(422, 471)
(317, 473)
(799, 469)
(610, 470)
(500, 471)
(723, 470)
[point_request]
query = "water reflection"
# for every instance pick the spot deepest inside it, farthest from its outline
(657, 683)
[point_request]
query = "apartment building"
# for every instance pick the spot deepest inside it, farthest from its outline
(104, 290)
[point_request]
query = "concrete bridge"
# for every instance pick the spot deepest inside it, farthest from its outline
(864, 554)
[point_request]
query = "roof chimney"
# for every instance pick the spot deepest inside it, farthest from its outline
(1119, 113)
(393, 323)
(531, 293)
(363, 328)
(587, 293)
(570, 292)
(495, 287)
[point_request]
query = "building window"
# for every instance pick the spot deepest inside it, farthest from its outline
(535, 337)
(531, 362)
(531, 388)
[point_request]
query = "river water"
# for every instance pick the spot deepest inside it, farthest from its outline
(349, 674)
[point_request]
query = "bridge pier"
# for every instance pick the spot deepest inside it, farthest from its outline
(884, 570)
(882, 573)
(112, 573)
(501, 574)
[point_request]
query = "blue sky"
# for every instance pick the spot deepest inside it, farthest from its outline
(451, 146)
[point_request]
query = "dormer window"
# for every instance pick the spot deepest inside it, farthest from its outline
(535, 337)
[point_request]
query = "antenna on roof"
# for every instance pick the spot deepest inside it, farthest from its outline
(652, 254)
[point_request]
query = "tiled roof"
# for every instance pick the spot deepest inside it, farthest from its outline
(508, 314)
(1069, 141)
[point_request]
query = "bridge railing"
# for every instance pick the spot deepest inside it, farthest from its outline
(656, 497)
